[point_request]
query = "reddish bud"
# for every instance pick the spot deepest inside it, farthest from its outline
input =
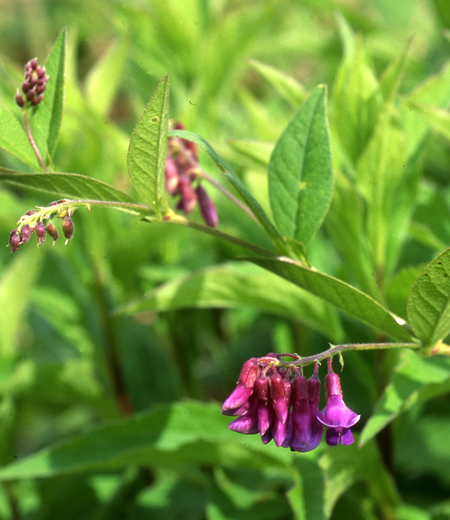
(19, 99)
(67, 227)
(26, 233)
(52, 230)
(40, 232)
(188, 196)
(31, 95)
(207, 207)
(249, 372)
(33, 63)
(171, 174)
(37, 100)
(14, 240)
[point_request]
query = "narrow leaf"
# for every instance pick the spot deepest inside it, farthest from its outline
(300, 171)
(47, 117)
(14, 140)
(287, 86)
(235, 285)
(429, 301)
(70, 185)
(340, 294)
(392, 76)
(415, 380)
(240, 188)
(147, 149)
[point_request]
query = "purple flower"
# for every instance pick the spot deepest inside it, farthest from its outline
(336, 416)
(207, 207)
(237, 403)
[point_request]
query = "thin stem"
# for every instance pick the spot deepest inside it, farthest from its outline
(174, 218)
(29, 133)
(303, 361)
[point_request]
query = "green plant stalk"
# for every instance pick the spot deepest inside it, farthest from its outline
(33, 144)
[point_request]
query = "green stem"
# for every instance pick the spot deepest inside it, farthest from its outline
(29, 133)
(337, 349)
(174, 218)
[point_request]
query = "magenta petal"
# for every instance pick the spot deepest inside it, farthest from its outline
(264, 416)
(332, 437)
(337, 414)
(247, 424)
(289, 433)
(281, 408)
(279, 430)
(302, 421)
(237, 398)
(267, 437)
(316, 437)
(347, 437)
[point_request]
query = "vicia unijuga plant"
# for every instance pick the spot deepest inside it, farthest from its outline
(345, 171)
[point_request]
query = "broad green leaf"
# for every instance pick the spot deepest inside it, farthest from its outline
(104, 77)
(340, 294)
(415, 380)
(147, 149)
(14, 140)
(240, 188)
(236, 285)
(16, 282)
(167, 436)
(287, 86)
(300, 171)
(307, 495)
(398, 288)
(47, 117)
(429, 301)
(345, 466)
(70, 185)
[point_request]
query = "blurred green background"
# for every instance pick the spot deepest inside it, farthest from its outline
(68, 364)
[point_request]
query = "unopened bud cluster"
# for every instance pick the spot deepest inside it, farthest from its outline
(182, 178)
(33, 86)
(279, 403)
(40, 221)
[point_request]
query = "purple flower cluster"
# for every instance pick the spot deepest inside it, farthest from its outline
(285, 408)
(32, 221)
(33, 86)
(181, 172)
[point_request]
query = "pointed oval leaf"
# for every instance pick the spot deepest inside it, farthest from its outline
(300, 171)
(342, 295)
(47, 116)
(70, 185)
(147, 149)
(429, 301)
(14, 140)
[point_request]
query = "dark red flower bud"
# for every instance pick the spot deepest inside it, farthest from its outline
(37, 100)
(67, 227)
(19, 99)
(33, 63)
(52, 230)
(188, 196)
(31, 95)
(26, 233)
(14, 240)
(262, 388)
(40, 232)
(249, 372)
(171, 174)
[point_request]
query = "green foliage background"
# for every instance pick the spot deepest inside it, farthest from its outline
(72, 367)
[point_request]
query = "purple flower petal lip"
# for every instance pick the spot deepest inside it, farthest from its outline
(280, 401)
(264, 416)
(279, 430)
(246, 424)
(336, 414)
(237, 398)
(336, 435)
(301, 418)
(267, 437)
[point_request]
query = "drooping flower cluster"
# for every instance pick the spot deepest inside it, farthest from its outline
(270, 401)
(182, 172)
(40, 221)
(33, 86)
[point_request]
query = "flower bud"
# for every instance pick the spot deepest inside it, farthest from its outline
(171, 174)
(207, 207)
(26, 233)
(19, 99)
(37, 100)
(52, 230)
(188, 196)
(14, 240)
(67, 227)
(40, 232)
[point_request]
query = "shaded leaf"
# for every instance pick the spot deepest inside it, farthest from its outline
(429, 301)
(300, 171)
(14, 140)
(342, 295)
(392, 76)
(47, 117)
(147, 149)
(235, 285)
(307, 495)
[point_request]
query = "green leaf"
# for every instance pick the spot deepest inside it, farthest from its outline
(300, 171)
(392, 76)
(15, 291)
(147, 149)
(104, 77)
(240, 188)
(70, 185)
(429, 301)
(415, 380)
(14, 140)
(46, 120)
(287, 86)
(340, 294)
(235, 285)
(307, 495)
(168, 436)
